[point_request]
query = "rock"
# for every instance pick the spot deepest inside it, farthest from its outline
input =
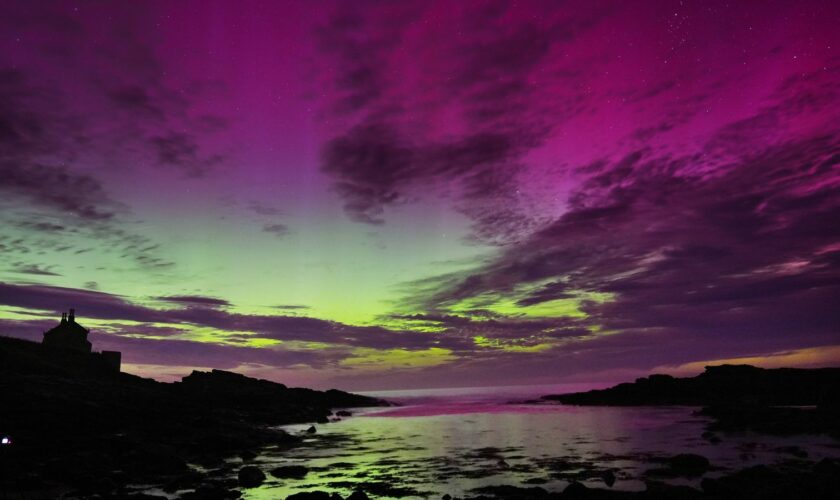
(510, 492)
(289, 471)
(309, 495)
(343, 413)
(575, 490)
(187, 481)
(336, 496)
(250, 476)
(501, 463)
(689, 464)
(608, 477)
(828, 467)
(793, 450)
(358, 495)
(210, 492)
(710, 486)
(311, 430)
(446, 497)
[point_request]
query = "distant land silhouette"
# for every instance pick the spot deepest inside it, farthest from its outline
(740, 397)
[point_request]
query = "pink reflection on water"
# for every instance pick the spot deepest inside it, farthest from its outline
(455, 401)
(431, 409)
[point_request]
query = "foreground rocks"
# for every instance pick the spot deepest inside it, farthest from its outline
(806, 480)
(811, 481)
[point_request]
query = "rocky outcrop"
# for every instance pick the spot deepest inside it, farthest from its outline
(97, 431)
(738, 397)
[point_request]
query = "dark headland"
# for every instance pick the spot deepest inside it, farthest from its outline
(80, 428)
(780, 401)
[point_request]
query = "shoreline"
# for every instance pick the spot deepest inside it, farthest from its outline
(89, 434)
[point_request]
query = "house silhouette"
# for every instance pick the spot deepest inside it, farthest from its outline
(68, 334)
(71, 336)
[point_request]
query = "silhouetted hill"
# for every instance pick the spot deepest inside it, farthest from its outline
(725, 384)
(75, 422)
(738, 397)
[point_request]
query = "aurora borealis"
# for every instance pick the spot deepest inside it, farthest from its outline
(375, 195)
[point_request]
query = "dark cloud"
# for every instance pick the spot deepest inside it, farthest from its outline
(744, 257)
(292, 307)
(195, 300)
(104, 306)
(263, 209)
(279, 230)
(485, 79)
(181, 150)
(35, 269)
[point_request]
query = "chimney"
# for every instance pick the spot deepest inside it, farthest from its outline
(72, 318)
(64, 317)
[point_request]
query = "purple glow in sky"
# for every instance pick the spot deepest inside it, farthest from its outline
(379, 195)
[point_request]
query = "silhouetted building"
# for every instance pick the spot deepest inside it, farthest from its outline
(68, 334)
(71, 336)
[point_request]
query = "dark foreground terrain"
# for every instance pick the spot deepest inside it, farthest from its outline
(81, 430)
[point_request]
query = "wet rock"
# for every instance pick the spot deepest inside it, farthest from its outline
(311, 430)
(608, 477)
(289, 471)
(309, 495)
(250, 476)
(828, 467)
(211, 492)
(663, 491)
(187, 481)
(446, 497)
(575, 490)
(511, 492)
(711, 437)
(689, 464)
(358, 495)
(793, 450)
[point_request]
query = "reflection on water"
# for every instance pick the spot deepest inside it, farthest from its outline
(448, 442)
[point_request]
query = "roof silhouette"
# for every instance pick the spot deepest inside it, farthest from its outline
(68, 334)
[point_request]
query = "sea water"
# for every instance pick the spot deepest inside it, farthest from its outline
(456, 440)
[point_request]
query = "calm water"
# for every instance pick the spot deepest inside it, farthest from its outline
(456, 440)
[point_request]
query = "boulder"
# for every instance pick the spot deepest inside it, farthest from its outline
(289, 471)
(689, 464)
(250, 476)
(608, 477)
(575, 490)
(309, 495)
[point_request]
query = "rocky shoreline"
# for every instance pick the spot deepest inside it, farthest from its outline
(81, 432)
(781, 401)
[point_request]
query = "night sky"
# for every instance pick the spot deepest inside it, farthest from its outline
(374, 195)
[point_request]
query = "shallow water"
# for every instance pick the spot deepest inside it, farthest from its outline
(454, 441)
